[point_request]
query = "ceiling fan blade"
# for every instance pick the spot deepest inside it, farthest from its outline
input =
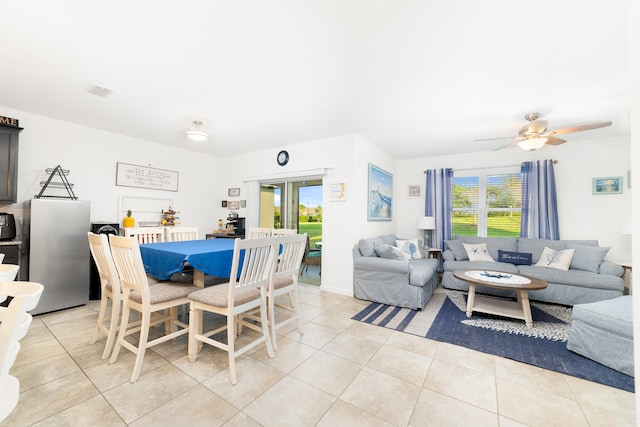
(552, 140)
(507, 145)
(579, 128)
(494, 139)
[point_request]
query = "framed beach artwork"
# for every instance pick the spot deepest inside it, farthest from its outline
(380, 197)
(607, 185)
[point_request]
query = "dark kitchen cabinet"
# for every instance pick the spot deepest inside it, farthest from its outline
(8, 163)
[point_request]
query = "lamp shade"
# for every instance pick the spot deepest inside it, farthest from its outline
(426, 223)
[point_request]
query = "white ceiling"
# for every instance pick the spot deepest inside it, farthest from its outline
(414, 77)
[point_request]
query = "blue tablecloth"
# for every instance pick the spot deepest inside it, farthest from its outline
(211, 256)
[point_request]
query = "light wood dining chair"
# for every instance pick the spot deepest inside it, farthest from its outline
(110, 290)
(145, 234)
(284, 281)
(180, 234)
(258, 232)
(284, 231)
(8, 272)
(14, 325)
(252, 264)
(137, 295)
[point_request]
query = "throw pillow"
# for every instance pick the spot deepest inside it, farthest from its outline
(388, 251)
(477, 252)
(410, 247)
(560, 260)
(456, 247)
(515, 258)
(367, 246)
(587, 258)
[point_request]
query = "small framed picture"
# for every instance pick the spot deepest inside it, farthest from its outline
(234, 206)
(234, 192)
(338, 192)
(243, 203)
(224, 203)
(607, 185)
(414, 191)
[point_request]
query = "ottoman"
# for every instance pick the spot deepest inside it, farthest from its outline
(603, 332)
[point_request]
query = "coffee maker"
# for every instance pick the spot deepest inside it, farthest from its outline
(7, 226)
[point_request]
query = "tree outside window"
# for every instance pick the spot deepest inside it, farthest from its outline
(487, 205)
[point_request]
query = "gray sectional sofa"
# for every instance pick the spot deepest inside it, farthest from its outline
(590, 278)
(381, 276)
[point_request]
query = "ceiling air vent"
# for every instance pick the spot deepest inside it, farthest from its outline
(98, 90)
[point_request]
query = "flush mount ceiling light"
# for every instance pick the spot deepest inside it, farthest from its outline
(197, 134)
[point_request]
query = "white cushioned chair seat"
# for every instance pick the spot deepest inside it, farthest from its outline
(217, 296)
(163, 292)
(282, 282)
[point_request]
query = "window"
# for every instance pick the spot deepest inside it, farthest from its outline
(486, 204)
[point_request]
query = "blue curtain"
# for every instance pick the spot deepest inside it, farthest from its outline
(438, 203)
(539, 204)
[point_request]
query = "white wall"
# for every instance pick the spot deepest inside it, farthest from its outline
(344, 223)
(582, 215)
(91, 156)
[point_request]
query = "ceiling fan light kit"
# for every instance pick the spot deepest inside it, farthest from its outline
(197, 134)
(533, 143)
(535, 135)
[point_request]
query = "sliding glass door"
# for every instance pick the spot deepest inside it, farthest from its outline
(295, 204)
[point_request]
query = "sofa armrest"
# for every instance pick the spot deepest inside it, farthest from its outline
(611, 268)
(381, 264)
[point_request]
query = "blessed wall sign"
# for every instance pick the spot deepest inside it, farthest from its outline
(146, 177)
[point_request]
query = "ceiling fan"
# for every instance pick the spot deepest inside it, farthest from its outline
(535, 134)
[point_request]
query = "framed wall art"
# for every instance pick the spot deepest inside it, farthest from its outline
(146, 177)
(234, 206)
(338, 192)
(607, 185)
(234, 192)
(414, 191)
(380, 197)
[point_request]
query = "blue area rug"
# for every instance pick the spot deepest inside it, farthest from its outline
(544, 345)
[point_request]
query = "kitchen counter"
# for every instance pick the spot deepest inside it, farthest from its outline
(10, 242)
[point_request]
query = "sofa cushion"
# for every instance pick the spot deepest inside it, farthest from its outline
(410, 247)
(587, 258)
(480, 265)
(367, 247)
(493, 243)
(390, 252)
(389, 239)
(536, 246)
(477, 252)
(560, 260)
(515, 258)
(422, 271)
(456, 247)
(571, 277)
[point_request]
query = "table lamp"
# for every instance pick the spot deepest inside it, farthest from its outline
(426, 223)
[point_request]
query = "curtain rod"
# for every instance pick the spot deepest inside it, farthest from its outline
(555, 162)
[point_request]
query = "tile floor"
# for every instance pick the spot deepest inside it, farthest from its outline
(339, 373)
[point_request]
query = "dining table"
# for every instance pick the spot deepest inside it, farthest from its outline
(211, 256)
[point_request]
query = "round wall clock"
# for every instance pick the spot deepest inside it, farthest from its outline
(283, 158)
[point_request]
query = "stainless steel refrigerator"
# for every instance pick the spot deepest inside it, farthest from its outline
(59, 251)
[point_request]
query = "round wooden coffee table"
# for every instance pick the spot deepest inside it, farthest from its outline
(495, 279)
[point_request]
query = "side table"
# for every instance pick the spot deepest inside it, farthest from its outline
(627, 277)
